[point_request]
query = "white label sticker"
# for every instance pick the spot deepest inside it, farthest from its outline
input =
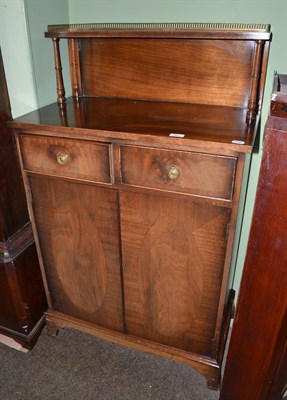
(238, 142)
(178, 135)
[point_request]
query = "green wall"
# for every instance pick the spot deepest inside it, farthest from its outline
(39, 14)
(28, 56)
(16, 56)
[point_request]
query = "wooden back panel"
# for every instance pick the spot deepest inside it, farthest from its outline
(193, 71)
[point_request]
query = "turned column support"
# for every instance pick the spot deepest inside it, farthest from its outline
(255, 80)
(73, 45)
(59, 76)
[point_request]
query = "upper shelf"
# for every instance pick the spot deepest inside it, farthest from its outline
(197, 63)
(162, 30)
(190, 84)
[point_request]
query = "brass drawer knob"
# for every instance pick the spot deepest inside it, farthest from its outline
(63, 158)
(173, 172)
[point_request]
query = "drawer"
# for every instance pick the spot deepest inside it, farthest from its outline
(179, 171)
(65, 157)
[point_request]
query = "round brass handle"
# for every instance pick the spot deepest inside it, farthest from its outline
(63, 158)
(173, 172)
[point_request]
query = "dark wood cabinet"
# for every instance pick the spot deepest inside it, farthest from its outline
(257, 357)
(22, 296)
(134, 182)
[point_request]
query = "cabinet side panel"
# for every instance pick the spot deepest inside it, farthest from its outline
(13, 208)
(8, 310)
(173, 254)
(23, 301)
(260, 318)
(78, 233)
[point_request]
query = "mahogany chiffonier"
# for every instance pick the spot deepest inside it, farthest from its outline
(22, 295)
(133, 183)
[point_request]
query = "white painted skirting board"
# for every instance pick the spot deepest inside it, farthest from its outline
(12, 343)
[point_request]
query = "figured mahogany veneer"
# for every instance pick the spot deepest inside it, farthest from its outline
(193, 82)
(174, 253)
(80, 226)
(218, 127)
(195, 173)
(66, 158)
(134, 182)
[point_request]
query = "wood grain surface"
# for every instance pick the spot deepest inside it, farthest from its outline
(168, 70)
(78, 231)
(260, 325)
(199, 174)
(173, 255)
(85, 160)
(214, 127)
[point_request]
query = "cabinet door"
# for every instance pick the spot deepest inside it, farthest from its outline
(173, 257)
(78, 232)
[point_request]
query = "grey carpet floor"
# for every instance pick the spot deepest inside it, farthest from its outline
(75, 365)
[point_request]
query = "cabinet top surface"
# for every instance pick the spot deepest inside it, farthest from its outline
(140, 120)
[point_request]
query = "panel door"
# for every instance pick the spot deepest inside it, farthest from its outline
(173, 255)
(78, 231)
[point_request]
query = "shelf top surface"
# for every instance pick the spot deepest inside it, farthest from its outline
(140, 119)
(189, 29)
